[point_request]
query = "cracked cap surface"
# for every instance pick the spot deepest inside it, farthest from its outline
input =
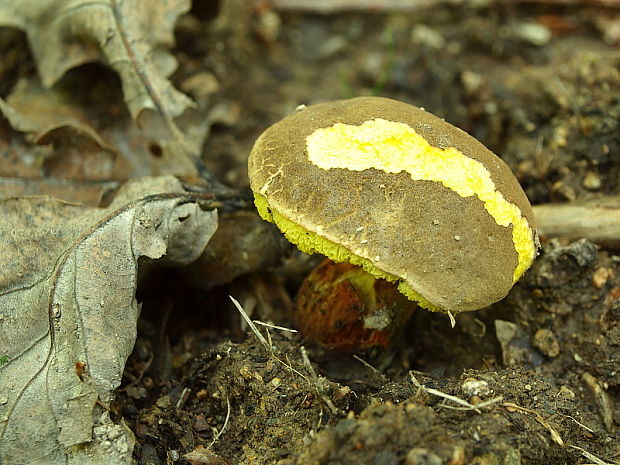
(400, 192)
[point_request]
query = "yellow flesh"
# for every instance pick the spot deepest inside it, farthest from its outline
(393, 147)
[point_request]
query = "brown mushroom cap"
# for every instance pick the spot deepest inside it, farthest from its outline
(393, 188)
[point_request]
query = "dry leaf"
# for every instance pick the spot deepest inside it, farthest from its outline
(86, 193)
(68, 314)
(132, 37)
(73, 149)
(17, 121)
(80, 147)
(129, 35)
(19, 156)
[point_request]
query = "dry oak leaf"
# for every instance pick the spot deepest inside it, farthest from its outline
(55, 135)
(68, 146)
(20, 158)
(131, 36)
(68, 313)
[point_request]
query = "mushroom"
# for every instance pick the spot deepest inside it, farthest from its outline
(401, 193)
(364, 312)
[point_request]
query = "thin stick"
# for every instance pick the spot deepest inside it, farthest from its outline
(457, 400)
(478, 406)
(511, 406)
(306, 361)
(591, 456)
(577, 421)
(367, 365)
(217, 436)
(597, 220)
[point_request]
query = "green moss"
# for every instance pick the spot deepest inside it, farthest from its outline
(311, 243)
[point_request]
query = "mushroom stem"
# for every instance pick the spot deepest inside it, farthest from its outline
(342, 306)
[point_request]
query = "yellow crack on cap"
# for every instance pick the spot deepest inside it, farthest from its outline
(393, 147)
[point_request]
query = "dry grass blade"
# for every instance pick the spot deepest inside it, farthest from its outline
(602, 400)
(512, 407)
(251, 324)
(591, 456)
(452, 319)
(269, 347)
(269, 325)
(368, 365)
(316, 381)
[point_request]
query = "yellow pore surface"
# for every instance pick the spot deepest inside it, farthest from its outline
(394, 147)
(311, 243)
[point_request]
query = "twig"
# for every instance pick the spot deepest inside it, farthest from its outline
(306, 361)
(368, 365)
(219, 433)
(142, 371)
(304, 356)
(227, 201)
(597, 220)
(478, 406)
(602, 400)
(591, 456)
(457, 400)
(512, 407)
(267, 344)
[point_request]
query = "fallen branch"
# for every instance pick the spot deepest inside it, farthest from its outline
(597, 220)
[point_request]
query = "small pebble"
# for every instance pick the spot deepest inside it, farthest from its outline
(472, 82)
(601, 276)
(421, 456)
(424, 35)
(591, 181)
(533, 33)
(475, 387)
(546, 342)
